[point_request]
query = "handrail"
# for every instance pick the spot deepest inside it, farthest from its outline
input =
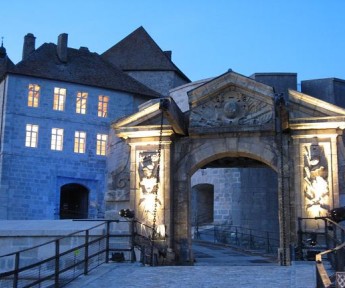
(151, 247)
(59, 266)
(239, 236)
(51, 241)
(323, 280)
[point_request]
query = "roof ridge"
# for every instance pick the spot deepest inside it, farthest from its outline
(82, 67)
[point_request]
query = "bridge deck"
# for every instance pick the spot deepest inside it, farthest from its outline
(214, 267)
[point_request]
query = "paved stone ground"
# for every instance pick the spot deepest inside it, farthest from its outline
(215, 267)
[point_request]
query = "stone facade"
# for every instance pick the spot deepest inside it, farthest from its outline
(229, 122)
(31, 178)
(232, 187)
(160, 81)
(234, 121)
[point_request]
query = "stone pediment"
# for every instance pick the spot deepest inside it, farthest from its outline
(304, 106)
(147, 121)
(231, 102)
(307, 112)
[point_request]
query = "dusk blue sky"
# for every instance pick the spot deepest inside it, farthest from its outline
(207, 37)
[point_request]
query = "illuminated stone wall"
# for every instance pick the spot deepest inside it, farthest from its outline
(316, 176)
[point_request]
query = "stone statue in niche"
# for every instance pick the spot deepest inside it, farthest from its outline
(316, 189)
(150, 199)
(231, 107)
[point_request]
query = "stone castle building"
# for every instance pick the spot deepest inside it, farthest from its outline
(75, 127)
(57, 107)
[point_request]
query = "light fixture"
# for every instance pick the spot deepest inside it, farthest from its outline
(337, 214)
(126, 213)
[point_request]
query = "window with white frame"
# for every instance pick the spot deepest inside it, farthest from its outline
(79, 141)
(59, 99)
(57, 139)
(31, 137)
(101, 147)
(81, 102)
(103, 106)
(33, 95)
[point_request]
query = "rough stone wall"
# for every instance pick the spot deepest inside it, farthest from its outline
(160, 81)
(241, 196)
(118, 180)
(258, 199)
(225, 181)
(32, 177)
(320, 88)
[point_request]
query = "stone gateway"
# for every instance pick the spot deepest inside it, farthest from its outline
(235, 117)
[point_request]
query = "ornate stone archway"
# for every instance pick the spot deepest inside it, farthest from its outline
(233, 116)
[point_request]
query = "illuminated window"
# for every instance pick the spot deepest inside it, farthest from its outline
(101, 144)
(79, 142)
(81, 102)
(57, 139)
(103, 106)
(59, 99)
(31, 137)
(33, 95)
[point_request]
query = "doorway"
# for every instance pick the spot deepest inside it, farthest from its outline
(74, 199)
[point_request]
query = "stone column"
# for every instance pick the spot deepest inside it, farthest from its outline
(316, 176)
(149, 178)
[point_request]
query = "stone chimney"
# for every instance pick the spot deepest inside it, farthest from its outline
(29, 45)
(62, 47)
(168, 54)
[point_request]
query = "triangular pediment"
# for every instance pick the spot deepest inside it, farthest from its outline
(307, 112)
(231, 102)
(305, 106)
(148, 121)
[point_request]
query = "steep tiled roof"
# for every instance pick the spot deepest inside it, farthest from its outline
(139, 52)
(5, 65)
(5, 62)
(82, 67)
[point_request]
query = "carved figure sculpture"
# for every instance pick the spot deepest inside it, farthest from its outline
(316, 189)
(149, 204)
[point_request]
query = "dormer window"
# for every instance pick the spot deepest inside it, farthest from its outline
(33, 95)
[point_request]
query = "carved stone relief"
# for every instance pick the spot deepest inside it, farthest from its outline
(315, 182)
(231, 107)
(150, 194)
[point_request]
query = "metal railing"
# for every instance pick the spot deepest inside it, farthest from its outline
(334, 256)
(58, 262)
(154, 249)
(244, 238)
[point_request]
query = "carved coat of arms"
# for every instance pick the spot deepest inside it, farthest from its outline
(229, 108)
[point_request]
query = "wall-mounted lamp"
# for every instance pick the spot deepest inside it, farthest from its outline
(337, 214)
(126, 213)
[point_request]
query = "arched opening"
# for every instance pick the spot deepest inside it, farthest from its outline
(202, 204)
(244, 204)
(74, 201)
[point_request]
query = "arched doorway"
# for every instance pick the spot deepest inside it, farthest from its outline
(202, 204)
(245, 204)
(236, 117)
(74, 199)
